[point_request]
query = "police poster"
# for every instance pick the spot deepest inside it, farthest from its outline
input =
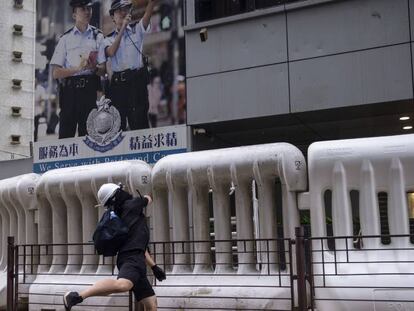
(109, 81)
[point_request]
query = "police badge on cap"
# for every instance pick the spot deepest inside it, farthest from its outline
(80, 3)
(118, 4)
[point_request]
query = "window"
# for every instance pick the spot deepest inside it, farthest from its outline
(212, 9)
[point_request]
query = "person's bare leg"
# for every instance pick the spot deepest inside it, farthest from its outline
(140, 306)
(107, 287)
(150, 303)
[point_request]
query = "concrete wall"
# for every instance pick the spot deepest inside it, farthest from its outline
(24, 98)
(16, 167)
(310, 55)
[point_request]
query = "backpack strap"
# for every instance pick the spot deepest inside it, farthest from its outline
(139, 193)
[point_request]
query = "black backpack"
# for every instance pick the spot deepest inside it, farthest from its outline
(110, 234)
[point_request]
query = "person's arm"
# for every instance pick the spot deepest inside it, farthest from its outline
(60, 72)
(148, 13)
(148, 259)
(58, 60)
(101, 69)
(111, 50)
(101, 58)
(158, 272)
(149, 199)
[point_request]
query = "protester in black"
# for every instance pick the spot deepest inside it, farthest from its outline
(133, 255)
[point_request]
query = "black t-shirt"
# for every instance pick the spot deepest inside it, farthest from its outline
(131, 211)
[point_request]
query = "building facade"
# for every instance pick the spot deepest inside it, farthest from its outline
(17, 25)
(225, 222)
(298, 71)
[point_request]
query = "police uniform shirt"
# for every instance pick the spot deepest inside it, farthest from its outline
(73, 44)
(127, 56)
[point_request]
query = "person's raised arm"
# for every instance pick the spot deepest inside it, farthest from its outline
(111, 50)
(148, 13)
(148, 197)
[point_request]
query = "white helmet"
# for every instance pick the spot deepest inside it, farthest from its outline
(106, 192)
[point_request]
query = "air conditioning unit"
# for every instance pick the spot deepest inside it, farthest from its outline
(18, 4)
(14, 139)
(17, 84)
(17, 30)
(16, 111)
(17, 56)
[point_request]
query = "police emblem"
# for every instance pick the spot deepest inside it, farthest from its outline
(103, 127)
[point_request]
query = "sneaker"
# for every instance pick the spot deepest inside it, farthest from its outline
(70, 299)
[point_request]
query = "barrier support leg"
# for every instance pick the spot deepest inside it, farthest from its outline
(10, 274)
(300, 269)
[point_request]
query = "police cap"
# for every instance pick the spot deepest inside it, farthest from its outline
(118, 4)
(80, 3)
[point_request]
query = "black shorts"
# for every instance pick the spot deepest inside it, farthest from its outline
(131, 266)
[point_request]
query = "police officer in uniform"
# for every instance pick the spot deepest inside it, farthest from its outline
(74, 64)
(123, 49)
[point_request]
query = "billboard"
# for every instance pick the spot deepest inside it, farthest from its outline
(146, 145)
(104, 69)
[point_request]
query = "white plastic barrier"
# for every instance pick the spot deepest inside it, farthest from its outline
(17, 218)
(370, 166)
(67, 215)
(181, 185)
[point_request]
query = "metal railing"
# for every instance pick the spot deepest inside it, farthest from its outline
(308, 271)
(268, 258)
(357, 267)
(24, 265)
(271, 258)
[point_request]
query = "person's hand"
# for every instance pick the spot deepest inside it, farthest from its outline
(158, 273)
(86, 63)
(126, 21)
(148, 198)
(92, 59)
(83, 63)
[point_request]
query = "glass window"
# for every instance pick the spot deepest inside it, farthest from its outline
(213, 9)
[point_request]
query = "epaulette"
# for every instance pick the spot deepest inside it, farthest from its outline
(110, 34)
(95, 32)
(96, 29)
(66, 32)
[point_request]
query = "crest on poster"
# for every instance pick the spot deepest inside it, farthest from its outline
(103, 127)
